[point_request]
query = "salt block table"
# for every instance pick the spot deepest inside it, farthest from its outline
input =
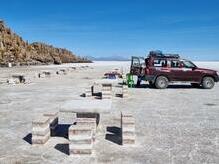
(87, 108)
(113, 82)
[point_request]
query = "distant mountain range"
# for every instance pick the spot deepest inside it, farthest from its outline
(13, 49)
(108, 58)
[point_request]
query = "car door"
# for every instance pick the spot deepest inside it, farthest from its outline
(136, 65)
(189, 71)
(160, 67)
(177, 73)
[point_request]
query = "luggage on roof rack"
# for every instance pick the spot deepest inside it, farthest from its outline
(160, 54)
(172, 55)
(156, 53)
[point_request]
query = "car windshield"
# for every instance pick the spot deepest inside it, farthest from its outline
(142, 61)
(188, 64)
(138, 61)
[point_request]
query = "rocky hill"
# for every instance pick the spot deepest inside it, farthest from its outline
(13, 49)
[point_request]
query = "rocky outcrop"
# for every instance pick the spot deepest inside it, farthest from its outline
(13, 49)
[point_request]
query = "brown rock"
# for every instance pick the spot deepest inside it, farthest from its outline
(13, 49)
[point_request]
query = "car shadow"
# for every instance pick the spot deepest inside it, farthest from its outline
(171, 86)
(142, 86)
(182, 87)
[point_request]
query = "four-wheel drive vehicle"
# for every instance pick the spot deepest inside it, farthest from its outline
(161, 69)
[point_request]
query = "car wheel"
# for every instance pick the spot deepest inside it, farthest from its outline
(195, 85)
(161, 82)
(208, 83)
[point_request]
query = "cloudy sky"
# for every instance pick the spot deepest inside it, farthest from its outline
(119, 27)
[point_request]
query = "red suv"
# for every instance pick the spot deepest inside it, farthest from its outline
(161, 69)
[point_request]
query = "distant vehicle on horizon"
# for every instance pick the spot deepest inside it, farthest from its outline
(162, 69)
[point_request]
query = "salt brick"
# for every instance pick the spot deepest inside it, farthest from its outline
(81, 139)
(126, 114)
(80, 130)
(128, 141)
(40, 131)
(41, 122)
(40, 139)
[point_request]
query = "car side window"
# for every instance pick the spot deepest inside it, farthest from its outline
(188, 64)
(160, 63)
(175, 64)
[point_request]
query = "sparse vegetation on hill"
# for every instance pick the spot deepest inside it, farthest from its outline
(13, 49)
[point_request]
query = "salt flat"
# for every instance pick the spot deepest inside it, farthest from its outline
(176, 125)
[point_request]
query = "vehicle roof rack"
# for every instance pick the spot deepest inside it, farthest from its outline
(159, 54)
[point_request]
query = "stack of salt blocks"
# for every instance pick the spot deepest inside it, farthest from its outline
(125, 93)
(128, 129)
(62, 72)
(43, 127)
(106, 91)
(42, 75)
(40, 130)
(88, 92)
(53, 121)
(91, 122)
(82, 136)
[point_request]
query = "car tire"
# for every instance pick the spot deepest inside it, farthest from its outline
(195, 85)
(161, 82)
(208, 83)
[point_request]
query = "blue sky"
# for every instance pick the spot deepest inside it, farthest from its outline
(119, 27)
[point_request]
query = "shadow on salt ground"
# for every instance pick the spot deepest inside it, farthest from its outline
(83, 95)
(210, 104)
(182, 87)
(119, 95)
(171, 86)
(64, 148)
(60, 131)
(114, 135)
(28, 138)
(95, 95)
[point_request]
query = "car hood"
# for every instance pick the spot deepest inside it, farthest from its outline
(205, 70)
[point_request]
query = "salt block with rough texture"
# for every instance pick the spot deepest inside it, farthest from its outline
(80, 140)
(40, 130)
